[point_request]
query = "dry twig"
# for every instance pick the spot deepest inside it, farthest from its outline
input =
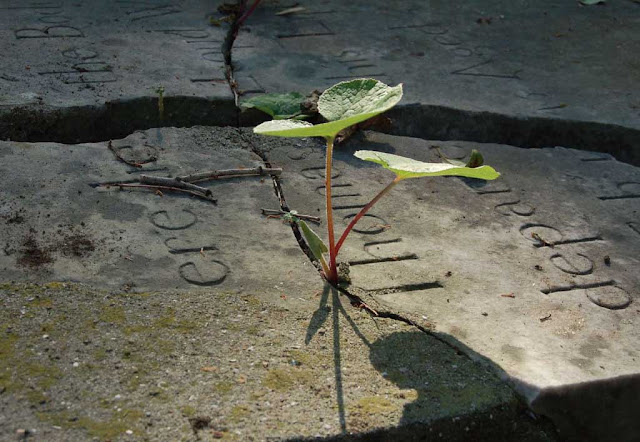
(228, 173)
(277, 213)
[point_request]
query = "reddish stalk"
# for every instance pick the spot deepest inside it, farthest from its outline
(332, 277)
(362, 212)
(248, 13)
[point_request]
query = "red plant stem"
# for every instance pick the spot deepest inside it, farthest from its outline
(248, 13)
(333, 270)
(362, 212)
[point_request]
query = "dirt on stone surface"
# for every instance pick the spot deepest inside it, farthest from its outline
(38, 249)
(81, 364)
(77, 244)
(32, 254)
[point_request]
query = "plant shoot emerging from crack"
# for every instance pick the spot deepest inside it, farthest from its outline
(343, 105)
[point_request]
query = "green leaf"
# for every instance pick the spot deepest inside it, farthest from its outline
(475, 159)
(591, 2)
(344, 105)
(407, 168)
(313, 240)
(285, 128)
(279, 106)
(362, 97)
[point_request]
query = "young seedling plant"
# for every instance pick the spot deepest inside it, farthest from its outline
(343, 105)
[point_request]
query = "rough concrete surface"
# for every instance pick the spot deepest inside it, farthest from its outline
(81, 364)
(57, 227)
(106, 62)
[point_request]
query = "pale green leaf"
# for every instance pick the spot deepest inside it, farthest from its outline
(278, 106)
(344, 105)
(407, 168)
(591, 2)
(284, 128)
(363, 97)
(316, 245)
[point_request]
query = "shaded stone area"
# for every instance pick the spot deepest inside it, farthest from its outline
(530, 75)
(89, 71)
(78, 363)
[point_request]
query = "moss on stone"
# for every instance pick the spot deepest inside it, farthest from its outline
(40, 302)
(223, 387)
(239, 412)
(112, 314)
(305, 358)
(188, 411)
(375, 405)
(55, 285)
(109, 429)
(284, 379)
(169, 320)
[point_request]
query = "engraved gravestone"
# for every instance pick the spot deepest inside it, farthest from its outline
(495, 56)
(536, 272)
(536, 69)
(151, 63)
(59, 224)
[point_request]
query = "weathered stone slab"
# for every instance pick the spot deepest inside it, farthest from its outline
(482, 71)
(55, 226)
(104, 62)
(536, 272)
(201, 321)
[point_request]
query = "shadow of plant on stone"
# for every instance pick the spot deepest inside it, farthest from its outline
(441, 391)
(441, 386)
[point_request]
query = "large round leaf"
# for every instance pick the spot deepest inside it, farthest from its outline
(362, 98)
(407, 168)
(344, 105)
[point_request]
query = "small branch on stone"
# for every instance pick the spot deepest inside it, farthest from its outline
(124, 160)
(229, 173)
(169, 188)
(272, 212)
(175, 183)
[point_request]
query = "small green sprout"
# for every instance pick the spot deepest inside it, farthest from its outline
(343, 105)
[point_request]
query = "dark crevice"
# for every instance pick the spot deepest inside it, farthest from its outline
(112, 120)
(227, 53)
(359, 262)
(445, 123)
(119, 118)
